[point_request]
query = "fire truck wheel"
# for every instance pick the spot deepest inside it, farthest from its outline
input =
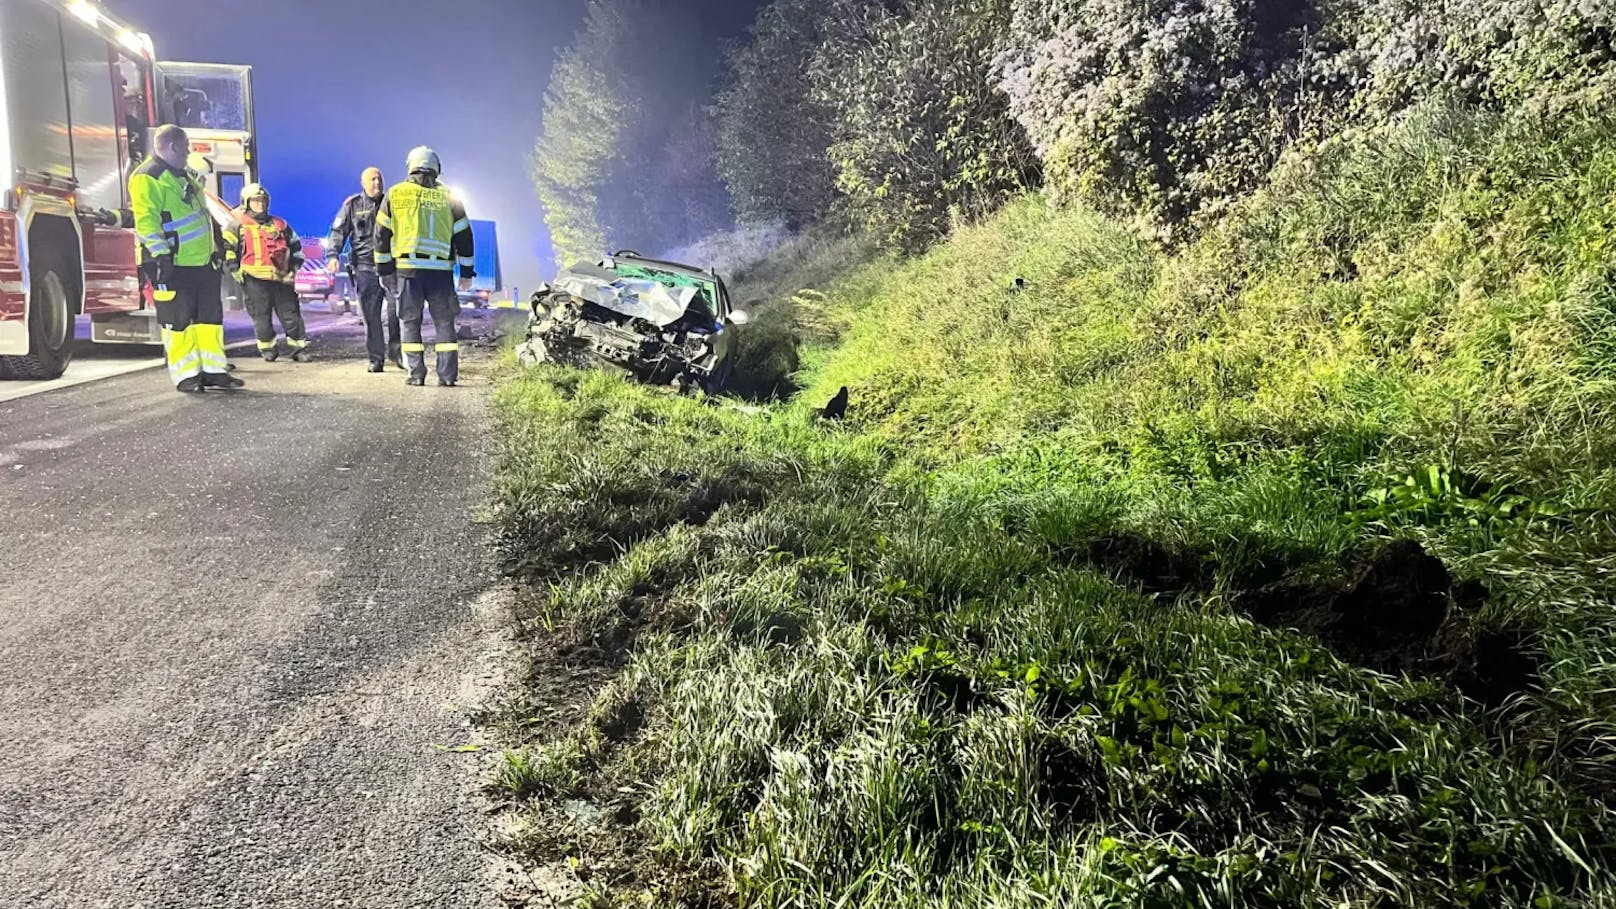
(50, 328)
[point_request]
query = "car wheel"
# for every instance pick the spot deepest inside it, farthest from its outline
(50, 327)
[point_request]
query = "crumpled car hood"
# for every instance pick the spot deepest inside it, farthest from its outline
(639, 298)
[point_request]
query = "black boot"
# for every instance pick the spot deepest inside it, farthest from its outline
(300, 355)
(415, 380)
(221, 380)
(189, 384)
(270, 355)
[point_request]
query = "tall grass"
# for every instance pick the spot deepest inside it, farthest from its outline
(895, 661)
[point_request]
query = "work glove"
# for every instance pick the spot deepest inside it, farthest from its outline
(390, 283)
(101, 216)
(239, 275)
(165, 282)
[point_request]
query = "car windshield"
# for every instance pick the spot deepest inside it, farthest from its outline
(705, 289)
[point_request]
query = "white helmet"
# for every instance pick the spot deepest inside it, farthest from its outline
(252, 191)
(422, 158)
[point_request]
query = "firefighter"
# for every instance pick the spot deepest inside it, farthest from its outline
(179, 255)
(422, 233)
(265, 254)
(356, 224)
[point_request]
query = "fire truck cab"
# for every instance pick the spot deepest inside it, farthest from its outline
(80, 93)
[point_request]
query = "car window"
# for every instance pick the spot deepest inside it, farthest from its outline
(706, 290)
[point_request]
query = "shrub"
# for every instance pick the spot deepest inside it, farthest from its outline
(922, 136)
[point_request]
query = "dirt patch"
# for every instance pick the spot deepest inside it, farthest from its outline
(1492, 665)
(1071, 786)
(1149, 565)
(952, 692)
(624, 721)
(1401, 611)
(1398, 611)
(1384, 617)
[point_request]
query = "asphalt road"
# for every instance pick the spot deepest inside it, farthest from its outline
(235, 638)
(94, 362)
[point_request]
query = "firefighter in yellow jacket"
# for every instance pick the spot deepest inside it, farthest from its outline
(265, 254)
(422, 233)
(179, 256)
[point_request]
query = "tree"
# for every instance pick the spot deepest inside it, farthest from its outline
(586, 112)
(614, 165)
(774, 135)
(922, 133)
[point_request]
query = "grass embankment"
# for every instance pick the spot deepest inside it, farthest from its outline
(1110, 591)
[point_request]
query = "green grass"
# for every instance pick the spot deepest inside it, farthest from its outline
(888, 662)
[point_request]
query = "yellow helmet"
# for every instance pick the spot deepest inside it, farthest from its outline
(252, 191)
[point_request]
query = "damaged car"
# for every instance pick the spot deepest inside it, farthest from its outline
(662, 322)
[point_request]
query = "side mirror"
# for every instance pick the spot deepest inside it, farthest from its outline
(739, 317)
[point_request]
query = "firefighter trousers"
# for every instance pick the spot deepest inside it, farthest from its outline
(372, 296)
(193, 322)
(277, 299)
(434, 292)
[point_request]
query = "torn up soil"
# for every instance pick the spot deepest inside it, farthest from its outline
(1399, 611)
(1385, 616)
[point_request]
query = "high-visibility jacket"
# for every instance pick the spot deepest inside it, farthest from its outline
(171, 215)
(420, 227)
(266, 248)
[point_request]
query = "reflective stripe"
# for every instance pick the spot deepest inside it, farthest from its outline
(382, 257)
(433, 247)
(157, 245)
(188, 366)
(462, 224)
(467, 262)
(194, 235)
(425, 264)
(186, 221)
(293, 342)
(266, 345)
(451, 347)
(409, 347)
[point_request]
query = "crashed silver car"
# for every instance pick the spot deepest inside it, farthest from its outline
(663, 322)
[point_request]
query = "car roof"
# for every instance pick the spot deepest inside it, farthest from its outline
(677, 267)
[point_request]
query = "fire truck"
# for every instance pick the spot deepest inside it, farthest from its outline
(80, 94)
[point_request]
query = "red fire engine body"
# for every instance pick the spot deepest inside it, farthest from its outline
(79, 94)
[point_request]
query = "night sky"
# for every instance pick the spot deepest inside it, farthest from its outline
(340, 85)
(343, 85)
